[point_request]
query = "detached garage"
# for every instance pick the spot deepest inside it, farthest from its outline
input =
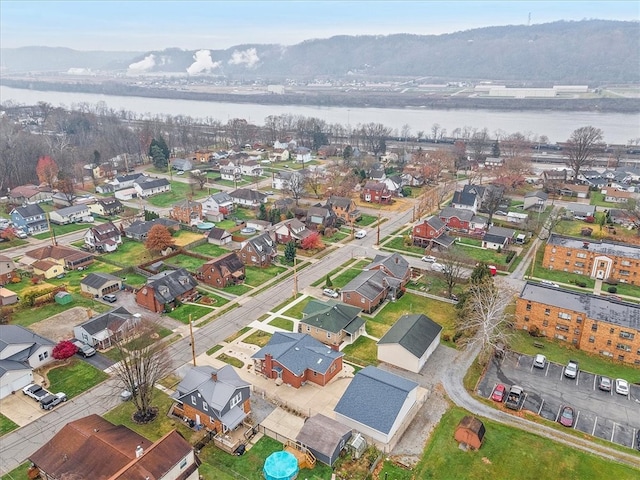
(410, 342)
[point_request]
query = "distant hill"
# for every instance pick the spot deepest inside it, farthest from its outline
(590, 52)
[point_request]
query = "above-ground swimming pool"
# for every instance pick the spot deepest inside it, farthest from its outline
(280, 466)
(205, 226)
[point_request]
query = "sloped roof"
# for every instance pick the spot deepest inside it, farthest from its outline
(464, 198)
(15, 334)
(342, 202)
(229, 261)
(394, 264)
(248, 194)
(169, 284)
(334, 317)
(435, 222)
(459, 213)
(298, 352)
(216, 392)
(112, 320)
(263, 244)
(414, 332)
(57, 252)
(147, 183)
(501, 231)
(218, 233)
(97, 280)
(73, 209)
(323, 434)
(29, 210)
(369, 284)
(141, 227)
(221, 197)
(491, 238)
(375, 398)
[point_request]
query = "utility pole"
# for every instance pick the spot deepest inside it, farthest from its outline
(378, 231)
(193, 341)
(295, 277)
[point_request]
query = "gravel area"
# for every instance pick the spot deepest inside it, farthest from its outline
(60, 326)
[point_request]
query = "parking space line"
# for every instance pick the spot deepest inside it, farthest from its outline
(575, 424)
(492, 390)
(561, 373)
(547, 370)
(577, 377)
(595, 377)
(558, 414)
(613, 431)
(541, 405)
(633, 439)
(595, 424)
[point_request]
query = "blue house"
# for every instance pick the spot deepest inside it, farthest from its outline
(30, 219)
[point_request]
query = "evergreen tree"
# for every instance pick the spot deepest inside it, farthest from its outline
(274, 215)
(290, 252)
(495, 150)
(328, 283)
(262, 212)
(158, 158)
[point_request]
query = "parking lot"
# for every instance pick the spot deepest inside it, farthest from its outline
(607, 415)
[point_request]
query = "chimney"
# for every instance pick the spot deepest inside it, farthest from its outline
(139, 451)
(214, 376)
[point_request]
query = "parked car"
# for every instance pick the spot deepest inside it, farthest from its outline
(84, 349)
(361, 234)
(622, 386)
(498, 393)
(549, 283)
(437, 267)
(330, 293)
(35, 391)
(51, 400)
(109, 298)
(566, 416)
(638, 440)
(571, 370)
(428, 258)
(540, 361)
(181, 172)
(604, 384)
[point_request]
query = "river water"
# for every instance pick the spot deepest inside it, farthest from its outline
(618, 128)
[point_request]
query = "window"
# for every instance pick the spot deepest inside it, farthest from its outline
(547, 311)
(579, 264)
(528, 307)
(621, 357)
(362, 300)
(569, 253)
(592, 339)
(205, 407)
(625, 263)
(608, 343)
(562, 328)
(564, 316)
(578, 319)
(328, 334)
(193, 400)
(627, 335)
(594, 327)
(526, 319)
(235, 400)
(43, 356)
(545, 323)
(611, 330)
(625, 273)
(553, 250)
(622, 346)
(183, 463)
(581, 255)
(308, 328)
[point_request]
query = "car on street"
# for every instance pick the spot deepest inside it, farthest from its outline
(622, 386)
(35, 391)
(361, 234)
(605, 384)
(330, 293)
(566, 416)
(181, 172)
(498, 393)
(571, 370)
(437, 267)
(109, 298)
(51, 400)
(540, 361)
(84, 349)
(549, 283)
(428, 258)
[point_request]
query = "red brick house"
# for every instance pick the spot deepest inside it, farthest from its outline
(165, 289)
(344, 208)
(222, 271)
(187, 211)
(258, 251)
(462, 220)
(431, 231)
(376, 192)
(296, 358)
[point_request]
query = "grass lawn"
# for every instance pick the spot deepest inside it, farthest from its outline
(236, 362)
(597, 198)
(6, 425)
(179, 191)
(332, 273)
(214, 349)
(183, 311)
(209, 249)
(469, 241)
(239, 289)
(336, 237)
(561, 352)
(185, 237)
(483, 255)
(363, 351)
(134, 279)
(345, 277)
(627, 289)
(397, 243)
(18, 473)
(366, 220)
(28, 316)
(283, 323)
(507, 450)
(239, 333)
(259, 337)
(62, 229)
(257, 277)
(559, 276)
(74, 378)
(296, 310)
(130, 253)
(16, 242)
(187, 262)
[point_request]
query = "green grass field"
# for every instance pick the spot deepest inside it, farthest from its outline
(283, 323)
(6, 425)
(363, 351)
(258, 337)
(130, 253)
(183, 311)
(257, 277)
(62, 229)
(74, 378)
(210, 250)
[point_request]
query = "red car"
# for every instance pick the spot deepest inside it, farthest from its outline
(498, 393)
(566, 416)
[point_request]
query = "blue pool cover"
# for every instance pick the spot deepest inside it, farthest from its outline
(280, 466)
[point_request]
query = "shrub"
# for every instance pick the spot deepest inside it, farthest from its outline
(612, 289)
(64, 349)
(510, 255)
(581, 283)
(499, 249)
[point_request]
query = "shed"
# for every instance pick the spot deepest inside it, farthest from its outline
(324, 437)
(470, 432)
(63, 298)
(7, 297)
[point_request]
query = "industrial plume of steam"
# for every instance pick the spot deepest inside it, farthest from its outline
(249, 57)
(202, 63)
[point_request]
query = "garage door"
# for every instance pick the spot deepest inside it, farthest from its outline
(12, 383)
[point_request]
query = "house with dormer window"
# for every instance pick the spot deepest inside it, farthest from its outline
(260, 251)
(105, 237)
(291, 230)
(222, 271)
(30, 219)
(164, 290)
(431, 232)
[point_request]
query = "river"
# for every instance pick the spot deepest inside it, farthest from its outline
(618, 128)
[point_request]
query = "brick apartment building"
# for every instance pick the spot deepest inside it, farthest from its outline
(597, 259)
(593, 323)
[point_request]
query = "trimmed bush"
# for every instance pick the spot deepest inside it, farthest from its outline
(612, 289)
(64, 349)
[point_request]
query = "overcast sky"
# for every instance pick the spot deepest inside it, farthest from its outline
(155, 25)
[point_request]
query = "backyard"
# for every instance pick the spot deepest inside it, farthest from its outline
(73, 377)
(179, 191)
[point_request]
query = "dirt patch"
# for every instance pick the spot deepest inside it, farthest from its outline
(60, 326)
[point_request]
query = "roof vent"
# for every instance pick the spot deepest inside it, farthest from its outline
(139, 451)
(585, 245)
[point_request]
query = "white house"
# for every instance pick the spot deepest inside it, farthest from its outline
(146, 187)
(71, 214)
(251, 168)
(230, 172)
(303, 154)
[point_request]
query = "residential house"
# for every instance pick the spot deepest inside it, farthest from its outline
(146, 187)
(465, 201)
(571, 190)
(248, 198)
(7, 270)
(182, 164)
(291, 230)
(164, 290)
(73, 214)
(62, 199)
(618, 196)
(378, 404)
(214, 398)
(216, 204)
(375, 192)
(463, 220)
(259, 251)
(297, 358)
(98, 284)
(619, 217)
(494, 242)
(493, 162)
(21, 351)
(580, 211)
(103, 238)
(187, 212)
(324, 437)
(102, 330)
(594, 323)
(139, 229)
(282, 180)
(536, 200)
(603, 259)
(515, 217)
(219, 236)
(320, 217)
(230, 172)
(332, 323)
(126, 194)
(7, 297)
(106, 207)
(344, 208)
(285, 143)
(250, 168)
(105, 188)
(508, 233)
(430, 232)
(122, 182)
(394, 265)
(30, 219)
(409, 343)
(204, 155)
(92, 447)
(303, 154)
(279, 155)
(222, 271)
(552, 179)
(394, 185)
(29, 194)
(377, 173)
(52, 260)
(327, 151)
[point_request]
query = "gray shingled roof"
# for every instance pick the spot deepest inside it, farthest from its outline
(414, 332)
(601, 247)
(488, 237)
(248, 194)
(97, 280)
(149, 183)
(335, 317)
(298, 352)
(502, 231)
(15, 334)
(216, 393)
(63, 212)
(322, 434)
(170, 284)
(595, 307)
(375, 398)
(112, 319)
(460, 213)
(30, 211)
(462, 198)
(394, 264)
(369, 284)
(435, 222)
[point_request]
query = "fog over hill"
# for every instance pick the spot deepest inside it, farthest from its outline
(589, 52)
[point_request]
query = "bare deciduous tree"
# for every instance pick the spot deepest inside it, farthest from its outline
(295, 186)
(455, 262)
(581, 148)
